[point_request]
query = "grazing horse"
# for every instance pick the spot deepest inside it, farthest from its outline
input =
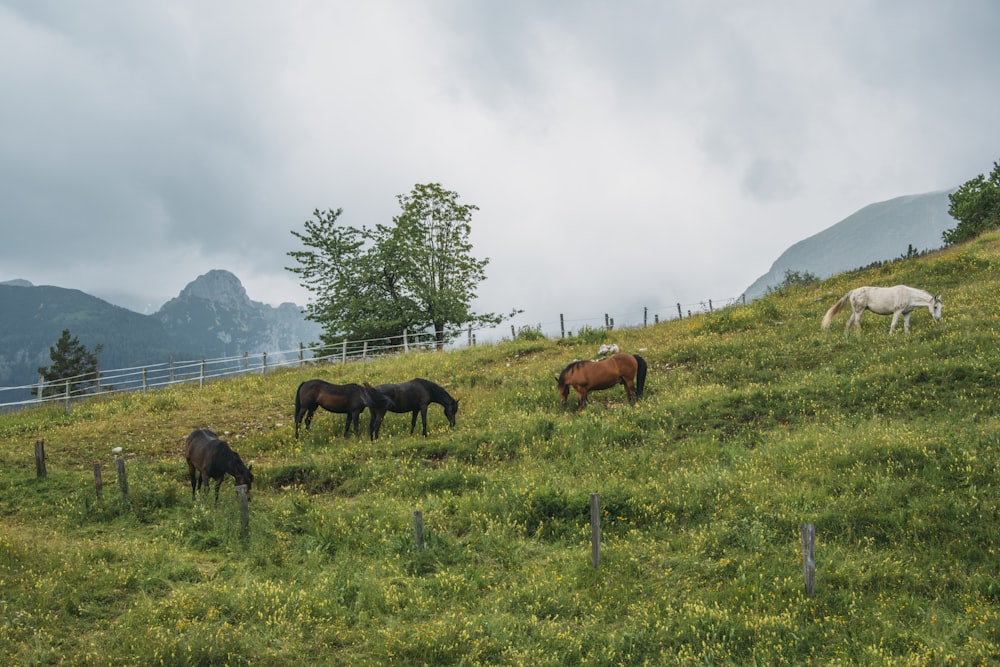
(213, 459)
(898, 300)
(586, 376)
(413, 396)
(350, 399)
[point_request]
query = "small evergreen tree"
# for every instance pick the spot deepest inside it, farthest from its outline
(72, 362)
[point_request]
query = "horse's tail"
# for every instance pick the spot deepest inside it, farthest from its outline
(640, 375)
(298, 407)
(374, 399)
(834, 309)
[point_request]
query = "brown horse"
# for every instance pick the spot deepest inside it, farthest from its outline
(349, 399)
(586, 376)
(213, 459)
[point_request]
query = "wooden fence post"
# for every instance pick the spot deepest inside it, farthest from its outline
(241, 492)
(301, 352)
(122, 479)
(145, 382)
(98, 482)
(343, 352)
(41, 387)
(809, 557)
(595, 529)
(67, 397)
(263, 364)
(680, 314)
(418, 529)
(562, 326)
(201, 375)
(40, 458)
(645, 316)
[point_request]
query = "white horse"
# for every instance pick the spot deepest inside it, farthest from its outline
(898, 300)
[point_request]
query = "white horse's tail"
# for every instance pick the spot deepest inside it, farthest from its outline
(834, 309)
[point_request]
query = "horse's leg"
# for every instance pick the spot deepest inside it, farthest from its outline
(581, 393)
(413, 421)
(895, 318)
(423, 418)
(906, 322)
(191, 473)
(347, 424)
(309, 416)
(629, 389)
(218, 483)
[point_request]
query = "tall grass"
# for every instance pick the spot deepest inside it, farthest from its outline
(754, 422)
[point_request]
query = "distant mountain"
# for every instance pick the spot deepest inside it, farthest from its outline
(212, 317)
(878, 232)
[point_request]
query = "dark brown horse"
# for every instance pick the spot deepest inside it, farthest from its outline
(413, 396)
(586, 376)
(349, 399)
(213, 459)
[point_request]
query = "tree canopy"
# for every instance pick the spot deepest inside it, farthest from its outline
(71, 361)
(976, 206)
(416, 274)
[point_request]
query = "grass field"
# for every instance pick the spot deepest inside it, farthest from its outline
(754, 422)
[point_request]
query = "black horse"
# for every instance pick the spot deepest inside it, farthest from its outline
(213, 459)
(413, 396)
(350, 399)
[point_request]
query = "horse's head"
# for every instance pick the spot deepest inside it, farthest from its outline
(936, 307)
(243, 474)
(450, 410)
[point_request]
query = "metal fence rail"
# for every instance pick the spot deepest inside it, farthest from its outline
(164, 374)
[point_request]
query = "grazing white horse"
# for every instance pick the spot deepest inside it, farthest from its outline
(898, 300)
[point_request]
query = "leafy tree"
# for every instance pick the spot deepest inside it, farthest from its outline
(416, 274)
(71, 361)
(976, 206)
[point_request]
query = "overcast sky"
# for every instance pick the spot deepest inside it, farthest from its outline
(622, 153)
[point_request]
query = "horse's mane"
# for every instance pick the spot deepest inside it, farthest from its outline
(572, 365)
(437, 392)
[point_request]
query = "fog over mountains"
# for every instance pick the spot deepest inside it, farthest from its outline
(211, 318)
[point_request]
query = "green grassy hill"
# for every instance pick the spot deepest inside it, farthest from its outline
(754, 422)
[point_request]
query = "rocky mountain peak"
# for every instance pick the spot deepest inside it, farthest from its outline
(218, 286)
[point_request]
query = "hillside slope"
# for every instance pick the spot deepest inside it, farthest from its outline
(754, 422)
(878, 232)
